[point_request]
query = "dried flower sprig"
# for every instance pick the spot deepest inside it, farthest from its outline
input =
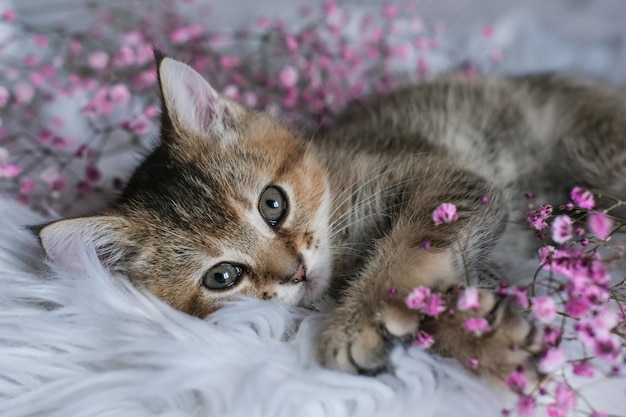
(572, 294)
(77, 104)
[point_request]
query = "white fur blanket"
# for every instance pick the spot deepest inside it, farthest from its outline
(78, 346)
(94, 346)
(87, 346)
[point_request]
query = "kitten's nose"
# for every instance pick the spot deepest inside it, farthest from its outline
(298, 276)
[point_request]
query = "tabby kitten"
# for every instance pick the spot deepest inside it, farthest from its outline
(233, 202)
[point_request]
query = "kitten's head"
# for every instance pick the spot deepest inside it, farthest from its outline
(231, 202)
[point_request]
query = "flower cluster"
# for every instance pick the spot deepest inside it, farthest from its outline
(573, 295)
(77, 106)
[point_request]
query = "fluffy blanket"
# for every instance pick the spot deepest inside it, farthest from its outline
(92, 345)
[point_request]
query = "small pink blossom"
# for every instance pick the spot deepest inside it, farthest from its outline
(24, 93)
(9, 15)
(417, 297)
(551, 336)
(423, 340)
(488, 31)
(577, 307)
(600, 225)
(468, 300)
(476, 325)
(526, 406)
(92, 173)
(288, 76)
(228, 61)
(445, 213)
(434, 305)
(583, 369)
(10, 171)
(473, 363)
(544, 309)
(517, 381)
(583, 198)
(28, 186)
(562, 230)
(552, 360)
(119, 94)
(98, 60)
(519, 296)
(565, 401)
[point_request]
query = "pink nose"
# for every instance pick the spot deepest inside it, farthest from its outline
(299, 275)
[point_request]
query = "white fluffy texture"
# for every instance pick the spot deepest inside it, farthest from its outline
(87, 345)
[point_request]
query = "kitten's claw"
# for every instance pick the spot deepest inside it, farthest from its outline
(360, 345)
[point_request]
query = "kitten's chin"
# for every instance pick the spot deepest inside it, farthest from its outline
(315, 287)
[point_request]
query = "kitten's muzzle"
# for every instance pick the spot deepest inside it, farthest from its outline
(296, 277)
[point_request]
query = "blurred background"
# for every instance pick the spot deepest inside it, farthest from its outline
(78, 94)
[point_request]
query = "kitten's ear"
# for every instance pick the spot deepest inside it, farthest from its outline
(62, 241)
(190, 104)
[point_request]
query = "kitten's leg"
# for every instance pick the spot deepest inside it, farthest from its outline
(369, 318)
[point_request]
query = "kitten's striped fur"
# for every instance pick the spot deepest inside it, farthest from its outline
(359, 200)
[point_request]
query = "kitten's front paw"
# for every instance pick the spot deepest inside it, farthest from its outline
(360, 343)
(511, 342)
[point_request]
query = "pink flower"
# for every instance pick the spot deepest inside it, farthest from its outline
(552, 360)
(525, 406)
(476, 325)
(228, 61)
(28, 186)
(92, 173)
(544, 309)
(288, 76)
(577, 307)
(445, 213)
(562, 230)
(433, 306)
(537, 218)
(119, 93)
(24, 93)
(10, 171)
(98, 60)
(417, 297)
(473, 363)
(468, 299)
(583, 198)
(519, 296)
(487, 31)
(600, 225)
(583, 369)
(390, 11)
(9, 15)
(423, 340)
(517, 381)
(565, 401)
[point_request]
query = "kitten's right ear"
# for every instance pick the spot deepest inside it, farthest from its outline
(190, 104)
(62, 241)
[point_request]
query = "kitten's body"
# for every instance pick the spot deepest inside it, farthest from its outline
(232, 202)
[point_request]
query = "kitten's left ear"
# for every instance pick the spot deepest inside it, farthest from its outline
(190, 104)
(62, 241)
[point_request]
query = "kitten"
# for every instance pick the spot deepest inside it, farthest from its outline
(233, 202)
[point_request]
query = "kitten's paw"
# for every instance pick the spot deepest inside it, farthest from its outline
(361, 344)
(512, 342)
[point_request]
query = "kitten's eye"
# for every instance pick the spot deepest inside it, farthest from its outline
(222, 276)
(272, 204)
